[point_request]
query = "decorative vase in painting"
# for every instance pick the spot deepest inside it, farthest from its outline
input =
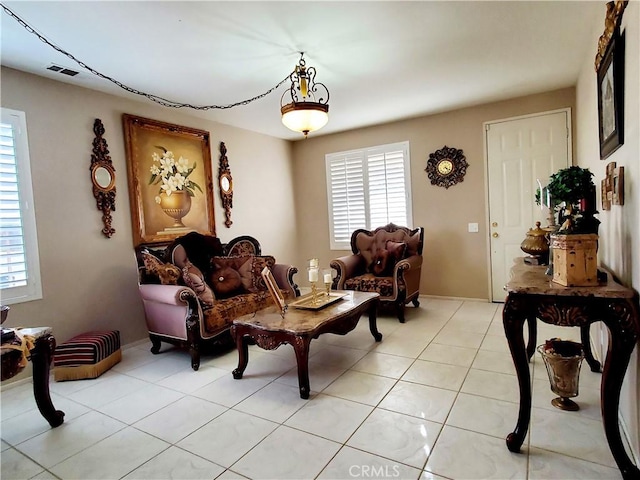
(176, 205)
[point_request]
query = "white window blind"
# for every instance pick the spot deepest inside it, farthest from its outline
(367, 188)
(19, 260)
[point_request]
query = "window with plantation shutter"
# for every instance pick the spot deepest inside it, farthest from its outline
(19, 261)
(367, 188)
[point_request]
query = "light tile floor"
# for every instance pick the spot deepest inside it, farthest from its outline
(435, 399)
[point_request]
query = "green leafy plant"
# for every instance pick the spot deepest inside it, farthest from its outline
(570, 185)
(573, 193)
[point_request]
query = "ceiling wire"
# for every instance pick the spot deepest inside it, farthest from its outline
(155, 98)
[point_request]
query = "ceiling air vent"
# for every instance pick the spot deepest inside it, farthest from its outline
(65, 71)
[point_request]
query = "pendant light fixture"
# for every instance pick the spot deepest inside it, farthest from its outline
(307, 109)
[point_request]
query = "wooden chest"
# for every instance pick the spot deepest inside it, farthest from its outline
(575, 260)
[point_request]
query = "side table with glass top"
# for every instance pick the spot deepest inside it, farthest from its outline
(40, 356)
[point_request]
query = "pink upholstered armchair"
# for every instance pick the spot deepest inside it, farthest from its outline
(387, 260)
(192, 290)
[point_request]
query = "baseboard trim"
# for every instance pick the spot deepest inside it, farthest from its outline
(626, 438)
(462, 299)
(137, 343)
(16, 383)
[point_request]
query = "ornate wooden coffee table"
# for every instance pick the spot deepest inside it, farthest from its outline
(268, 329)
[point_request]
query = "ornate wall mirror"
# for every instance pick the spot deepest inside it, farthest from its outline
(225, 182)
(103, 178)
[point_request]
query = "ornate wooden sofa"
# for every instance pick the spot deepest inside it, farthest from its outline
(195, 287)
(387, 260)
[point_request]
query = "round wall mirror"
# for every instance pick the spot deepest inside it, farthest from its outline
(102, 177)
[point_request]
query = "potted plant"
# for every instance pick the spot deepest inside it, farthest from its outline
(574, 195)
(574, 244)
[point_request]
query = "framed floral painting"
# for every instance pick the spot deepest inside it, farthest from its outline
(170, 180)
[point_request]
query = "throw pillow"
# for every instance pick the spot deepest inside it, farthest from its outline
(249, 269)
(167, 273)
(257, 265)
(194, 279)
(242, 265)
(379, 263)
(396, 250)
(226, 282)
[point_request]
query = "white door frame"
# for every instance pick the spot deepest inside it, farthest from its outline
(485, 125)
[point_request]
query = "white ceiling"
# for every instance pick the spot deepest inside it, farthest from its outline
(381, 61)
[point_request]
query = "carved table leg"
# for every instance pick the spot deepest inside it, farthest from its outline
(41, 356)
(533, 333)
(586, 346)
(243, 352)
(373, 321)
(513, 319)
(623, 340)
(301, 347)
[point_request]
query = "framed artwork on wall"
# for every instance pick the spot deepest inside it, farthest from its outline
(618, 186)
(170, 180)
(605, 189)
(611, 97)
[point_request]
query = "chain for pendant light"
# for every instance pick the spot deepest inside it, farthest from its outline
(155, 98)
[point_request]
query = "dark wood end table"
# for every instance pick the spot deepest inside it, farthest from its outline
(40, 355)
(268, 329)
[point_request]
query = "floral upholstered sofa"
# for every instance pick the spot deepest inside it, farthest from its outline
(388, 261)
(193, 289)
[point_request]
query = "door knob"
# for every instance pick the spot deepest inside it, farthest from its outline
(494, 224)
(495, 235)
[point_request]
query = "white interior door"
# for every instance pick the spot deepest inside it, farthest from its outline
(519, 152)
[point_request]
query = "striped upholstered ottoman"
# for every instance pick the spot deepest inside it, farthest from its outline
(87, 355)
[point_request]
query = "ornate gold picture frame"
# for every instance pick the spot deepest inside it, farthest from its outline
(609, 64)
(170, 180)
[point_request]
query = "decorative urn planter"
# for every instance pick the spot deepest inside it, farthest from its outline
(536, 245)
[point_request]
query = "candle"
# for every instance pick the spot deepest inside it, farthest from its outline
(313, 263)
(327, 278)
(313, 274)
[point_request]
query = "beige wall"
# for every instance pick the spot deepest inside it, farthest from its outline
(89, 281)
(620, 227)
(455, 261)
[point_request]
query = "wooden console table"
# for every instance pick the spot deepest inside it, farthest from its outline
(40, 355)
(532, 295)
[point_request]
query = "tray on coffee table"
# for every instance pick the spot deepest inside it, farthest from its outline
(322, 300)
